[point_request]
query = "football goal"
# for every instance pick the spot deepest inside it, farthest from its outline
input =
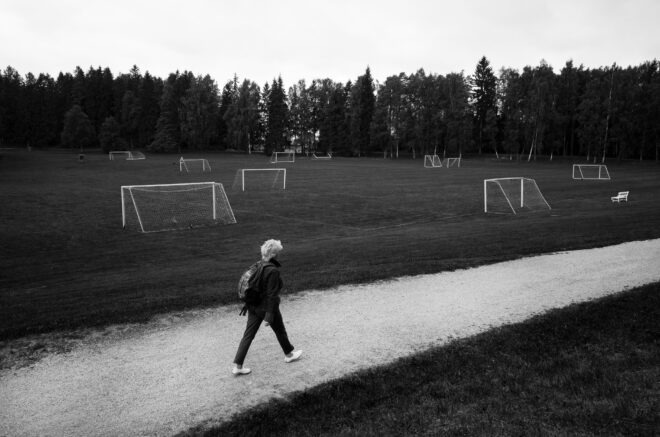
(194, 165)
(590, 171)
(260, 179)
(166, 207)
(315, 156)
(512, 195)
(452, 162)
(432, 161)
(282, 157)
(125, 154)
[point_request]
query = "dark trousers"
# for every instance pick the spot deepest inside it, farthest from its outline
(254, 320)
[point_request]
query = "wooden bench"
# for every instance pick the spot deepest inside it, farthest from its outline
(622, 196)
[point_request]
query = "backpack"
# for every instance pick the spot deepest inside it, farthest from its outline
(248, 286)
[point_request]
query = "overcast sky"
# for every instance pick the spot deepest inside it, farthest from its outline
(298, 39)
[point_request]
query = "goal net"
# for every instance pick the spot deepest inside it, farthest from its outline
(125, 154)
(194, 165)
(432, 161)
(282, 157)
(260, 179)
(590, 171)
(512, 195)
(452, 162)
(165, 207)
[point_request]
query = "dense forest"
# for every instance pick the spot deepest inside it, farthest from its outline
(609, 112)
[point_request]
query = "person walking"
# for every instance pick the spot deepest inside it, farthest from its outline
(268, 310)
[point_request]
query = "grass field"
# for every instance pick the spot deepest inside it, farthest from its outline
(592, 369)
(66, 261)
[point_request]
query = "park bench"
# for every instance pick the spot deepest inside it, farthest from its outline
(622, 196)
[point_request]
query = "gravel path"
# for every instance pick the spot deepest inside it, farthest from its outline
(174, 373)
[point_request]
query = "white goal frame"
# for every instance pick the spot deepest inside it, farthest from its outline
(603, 173)
(432, 161)
(217, 191)
(183, 164)
(130, 155)
(328, 156)
(242, 171)
(275, 157)
(522, 191)
(453, 162)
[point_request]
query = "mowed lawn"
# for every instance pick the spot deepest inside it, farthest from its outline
(66, 262)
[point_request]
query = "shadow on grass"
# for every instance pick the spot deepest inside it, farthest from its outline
(589, 369)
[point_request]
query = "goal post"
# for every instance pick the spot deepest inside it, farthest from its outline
(114, 154)
(259, 179)
(166, 207)
(432, 161)
(452, 162)
(189, 165)
(591, 172)
(135, 156)
(512, 195)
(128, 155)
(282, 157)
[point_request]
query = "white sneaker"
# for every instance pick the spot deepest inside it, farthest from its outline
(294, 356)
(241, 371)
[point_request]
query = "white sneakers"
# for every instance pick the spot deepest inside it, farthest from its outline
(241, 371)
(295, 355)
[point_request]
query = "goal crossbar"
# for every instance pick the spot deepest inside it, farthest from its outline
(590, 172)
(162, 207)
(432, 161)
(282, 157)
(113, 153)
(513, 190)
(195, 162)
(239, 180)
(452, 162)
(130, 155)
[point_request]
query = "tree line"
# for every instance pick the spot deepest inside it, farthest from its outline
(604, 112)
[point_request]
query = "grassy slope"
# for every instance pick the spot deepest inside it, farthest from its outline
(589, 369)
(66, 262)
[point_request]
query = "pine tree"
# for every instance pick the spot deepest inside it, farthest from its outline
(12, 121)
(198, 112)
(276, 132)
(362, 106)
(484, 95)
(130, 117)
(166, 135)
(226, 100)
(458, 117)
(149, 95)
(334, 136)
(41, 117)
(242, 117)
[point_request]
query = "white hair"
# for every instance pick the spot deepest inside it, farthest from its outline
(270, 249)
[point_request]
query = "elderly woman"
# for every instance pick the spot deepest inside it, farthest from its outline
(267, 310)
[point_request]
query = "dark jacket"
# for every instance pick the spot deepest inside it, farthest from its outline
(270, 285)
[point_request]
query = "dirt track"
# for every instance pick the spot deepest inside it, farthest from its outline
(174, 373)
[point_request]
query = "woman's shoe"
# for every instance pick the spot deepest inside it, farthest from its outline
(295, 355)
(241, 371)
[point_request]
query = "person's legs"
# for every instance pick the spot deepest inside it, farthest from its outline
(253, 323)
(280, 333)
